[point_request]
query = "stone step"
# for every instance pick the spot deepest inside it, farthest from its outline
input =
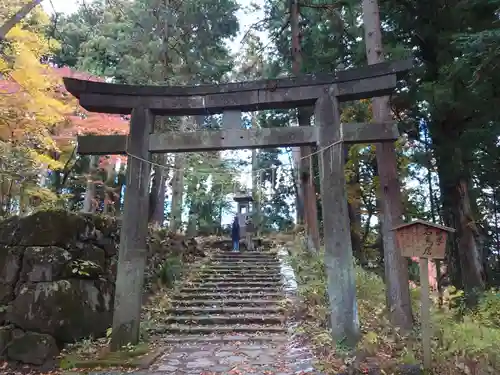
(252, 258)
(243, 272)
(228, 302)
(232, 278)
(230, 288)
(236, 261)
(237, 278)
(223, 296)
(271, 261)
(224, 319)
(224, 275)
(241, 266)
(181, 328)
(246, 254)
(245, 260)
(244, 264)
(259, 271)
(220, 277)
(190, 338)
(197, 310)
(235, 284)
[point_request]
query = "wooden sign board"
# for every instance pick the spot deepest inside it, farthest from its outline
(422, 239)
(426, 241)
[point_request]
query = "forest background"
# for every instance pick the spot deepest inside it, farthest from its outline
(448, 155)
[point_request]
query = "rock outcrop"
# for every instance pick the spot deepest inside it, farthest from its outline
(32, 348)
(57, 274)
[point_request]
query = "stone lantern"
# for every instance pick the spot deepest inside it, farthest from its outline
(244, 214)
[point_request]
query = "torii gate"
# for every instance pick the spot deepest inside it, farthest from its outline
(324, 92)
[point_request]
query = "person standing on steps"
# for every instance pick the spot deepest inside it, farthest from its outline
(235, 234)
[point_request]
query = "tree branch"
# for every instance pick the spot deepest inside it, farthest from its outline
(16, 18)
(322, 6)
(254, 26)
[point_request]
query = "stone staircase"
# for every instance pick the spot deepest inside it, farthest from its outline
(235, 297)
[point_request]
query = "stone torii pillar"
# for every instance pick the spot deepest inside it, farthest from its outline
(133, 234)
(243, 202)
(340, 272)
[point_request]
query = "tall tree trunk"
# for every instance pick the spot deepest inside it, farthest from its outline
(119, 189)
(304, 119)
(433, 213)
(219, 217)
(43, 175)
(464, 258)
(256, 193)
(157, 195)
(177, 193)
(354, 209)
(396, 267)
(497, 232)
(192, 220)
(16, 18)
(255, 185)
(158, 192)
(2, 196)
(23, 204)
(8, 205)
(299, 199)
(88, 201)
(109, 190)
(194, 208)
(178, 184)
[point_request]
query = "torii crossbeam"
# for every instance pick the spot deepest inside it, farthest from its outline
(371, 81)
(324, 92)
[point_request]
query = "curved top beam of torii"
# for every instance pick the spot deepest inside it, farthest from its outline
(369, 81)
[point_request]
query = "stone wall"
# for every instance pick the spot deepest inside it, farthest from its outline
(57, 273)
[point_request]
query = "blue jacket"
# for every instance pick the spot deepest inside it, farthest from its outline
(235, 231)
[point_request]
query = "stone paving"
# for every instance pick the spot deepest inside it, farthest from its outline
(231, 321)
(235, 344)
(235, 358)
(214, 336)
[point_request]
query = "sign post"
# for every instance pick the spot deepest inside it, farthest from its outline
(426, 241)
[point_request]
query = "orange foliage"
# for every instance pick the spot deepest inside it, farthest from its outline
(85, 122)
(79, 121)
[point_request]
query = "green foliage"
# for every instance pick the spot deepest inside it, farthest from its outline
(468, 338)
(474, 335)
(151, 42)
(90, 355)
(446, 109)
(311, 277)
(330, 37)
(488, 310)
(170, 271)
(459, 333)
(209, 182)
(81, 267)
(447, 161)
